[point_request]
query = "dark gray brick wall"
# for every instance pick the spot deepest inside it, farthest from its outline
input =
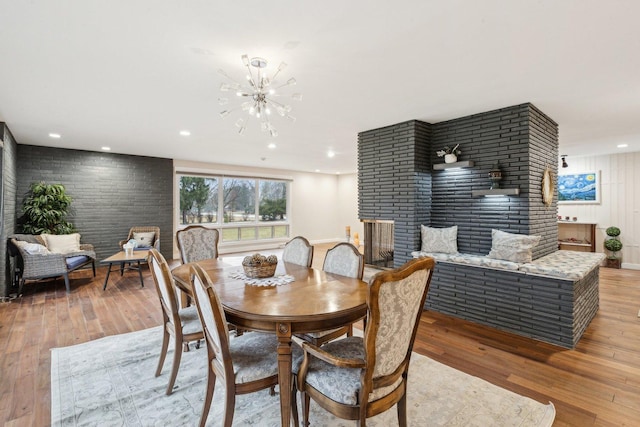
(548, 309)
(520, 139)
(9, 188)
(394, 180)
(111, 192)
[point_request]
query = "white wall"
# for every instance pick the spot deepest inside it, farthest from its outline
(322, 204)
(619, 200)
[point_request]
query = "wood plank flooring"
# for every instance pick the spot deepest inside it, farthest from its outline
(597, 384)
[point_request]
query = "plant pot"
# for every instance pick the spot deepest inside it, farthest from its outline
(613, 262)
(450, 158)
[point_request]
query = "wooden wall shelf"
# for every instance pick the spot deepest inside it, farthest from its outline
(455, 165)
(496, 192)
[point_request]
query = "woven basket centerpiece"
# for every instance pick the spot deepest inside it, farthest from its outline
(259, 266)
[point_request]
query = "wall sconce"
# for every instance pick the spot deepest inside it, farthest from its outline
(564, 161)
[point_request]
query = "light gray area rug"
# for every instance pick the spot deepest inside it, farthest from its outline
(110, 382)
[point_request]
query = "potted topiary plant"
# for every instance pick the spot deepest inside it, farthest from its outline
(45, 209)
(613, 244)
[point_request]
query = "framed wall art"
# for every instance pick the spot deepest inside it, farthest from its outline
(579, 188)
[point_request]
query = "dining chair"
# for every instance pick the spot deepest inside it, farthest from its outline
(197, 243)
(343, 259)
(298, 251)
(244, 364)
(181, 323)
(358, 377)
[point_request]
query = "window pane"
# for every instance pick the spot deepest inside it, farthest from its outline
(239, 200)
(281, 231)
(265, 232)
(273, 201)
(198, 200)
(248, 233)
(230, 234)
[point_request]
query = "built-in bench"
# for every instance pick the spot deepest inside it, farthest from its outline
(552, 298)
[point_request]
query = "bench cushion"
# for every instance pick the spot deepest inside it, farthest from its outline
(564, 264)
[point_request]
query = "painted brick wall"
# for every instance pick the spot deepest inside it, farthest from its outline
(520, 139)
(393, 171)
(9, 183)
(111, 192)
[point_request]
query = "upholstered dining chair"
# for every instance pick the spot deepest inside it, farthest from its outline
(356, 378)
(298, 251)
(196, 243)
(183, 324)
(244, 364)
(346, 260)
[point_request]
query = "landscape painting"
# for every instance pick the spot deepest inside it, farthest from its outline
(579, 188)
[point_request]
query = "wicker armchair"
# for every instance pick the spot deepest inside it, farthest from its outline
(35, 266)
(146, 229)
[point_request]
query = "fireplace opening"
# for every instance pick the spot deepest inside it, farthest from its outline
(378, 243)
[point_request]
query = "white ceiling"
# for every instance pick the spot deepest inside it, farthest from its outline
(132, 74)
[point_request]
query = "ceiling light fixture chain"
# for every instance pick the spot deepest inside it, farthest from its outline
(259, 95)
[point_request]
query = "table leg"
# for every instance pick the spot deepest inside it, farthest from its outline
(283, 333)
(106, 279)
(140, 273)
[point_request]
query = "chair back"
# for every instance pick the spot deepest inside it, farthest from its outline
(216, 331)
(165, 286)
(344, 259)
(396, 299)
(133, 231)
(298, 251)
(197, 243)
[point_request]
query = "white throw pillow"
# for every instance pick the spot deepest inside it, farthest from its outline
(512, 247)
(441, 240)
(62, 243)
(144, 239)
(32, 248)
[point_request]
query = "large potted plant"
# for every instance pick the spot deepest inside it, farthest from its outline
(613, 244)
(45, 209)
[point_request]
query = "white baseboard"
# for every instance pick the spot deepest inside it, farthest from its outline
(630, 266)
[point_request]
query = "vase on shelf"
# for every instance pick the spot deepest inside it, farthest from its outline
(450, 158)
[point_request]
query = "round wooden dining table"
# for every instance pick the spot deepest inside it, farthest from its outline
(313, 301)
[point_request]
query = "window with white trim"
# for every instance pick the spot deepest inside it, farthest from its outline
(242, 208)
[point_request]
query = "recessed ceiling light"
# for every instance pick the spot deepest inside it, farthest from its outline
(331, 153)
(55, 135)
(271, 146)
(623, 145)
(105, 148)
(185, 133)
(317, 170)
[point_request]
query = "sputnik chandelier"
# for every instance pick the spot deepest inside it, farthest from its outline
(258, 97)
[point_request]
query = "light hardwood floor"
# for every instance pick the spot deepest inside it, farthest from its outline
(598, 383)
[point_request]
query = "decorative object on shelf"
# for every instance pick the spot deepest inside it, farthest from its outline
(548, 187)
(564, 161)
(613, 244)
(495, 175)
(259, 266)
(450, 154)
(579, 188)
(258, 97)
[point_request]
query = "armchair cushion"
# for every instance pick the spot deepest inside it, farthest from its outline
(32, 248)
(74, 262)
(62, 243)
(144, 239)
(342, 384)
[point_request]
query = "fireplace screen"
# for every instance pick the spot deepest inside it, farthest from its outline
(378, 243)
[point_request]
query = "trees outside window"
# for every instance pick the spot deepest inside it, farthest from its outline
(225, 201)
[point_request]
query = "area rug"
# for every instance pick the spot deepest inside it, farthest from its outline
(111, 381)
